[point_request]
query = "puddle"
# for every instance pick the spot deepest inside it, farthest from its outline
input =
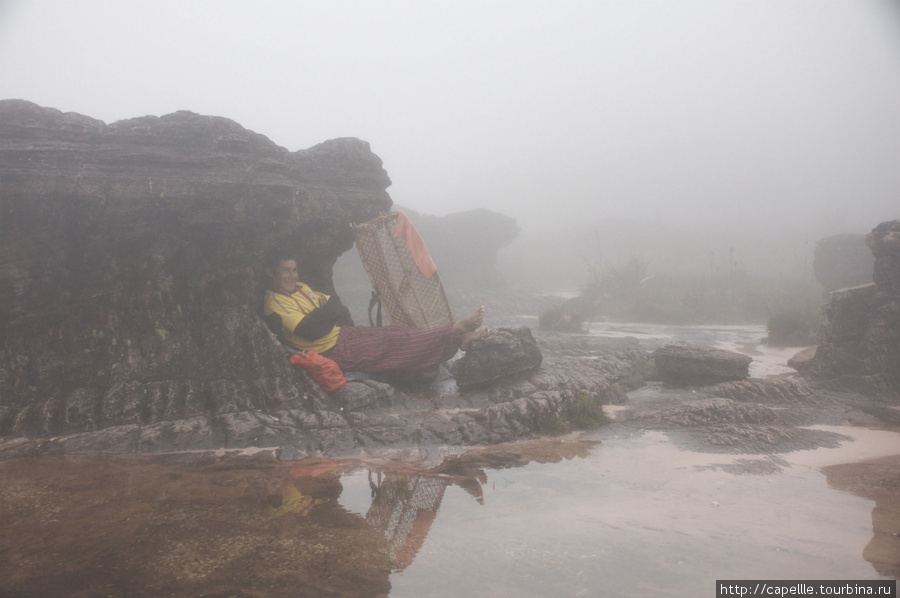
(877, 480)
(631, 516)
(636, 518)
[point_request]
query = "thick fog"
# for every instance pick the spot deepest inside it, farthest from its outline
(739, 123)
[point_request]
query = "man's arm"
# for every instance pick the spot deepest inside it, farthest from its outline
(321, 320)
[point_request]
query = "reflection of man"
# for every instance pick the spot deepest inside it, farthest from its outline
(309, 320)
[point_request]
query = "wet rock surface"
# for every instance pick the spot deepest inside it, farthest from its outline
(684, 364)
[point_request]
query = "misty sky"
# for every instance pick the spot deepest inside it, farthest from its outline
(693, 113)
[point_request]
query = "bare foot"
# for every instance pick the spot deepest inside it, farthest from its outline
(472, 335)
(471, 322)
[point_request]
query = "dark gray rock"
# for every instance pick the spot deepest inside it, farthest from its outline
(501, 353)
(685, 364)
(859, 337)
(842, 334)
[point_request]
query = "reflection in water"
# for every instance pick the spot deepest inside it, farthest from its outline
(139, 527)
(403, 509)
(405, 500)
(878, 480)
(295, 502)
(639, 517)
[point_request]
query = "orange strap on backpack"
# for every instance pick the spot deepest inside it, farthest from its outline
(325, 371)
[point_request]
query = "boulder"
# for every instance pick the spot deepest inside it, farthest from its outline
(501, 353)
(684, 364)
(801, 359)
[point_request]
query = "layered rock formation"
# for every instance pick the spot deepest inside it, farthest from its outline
(131, 278)
(130, 263)
(859, 339)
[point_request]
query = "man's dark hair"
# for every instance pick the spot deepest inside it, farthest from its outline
(276, 254)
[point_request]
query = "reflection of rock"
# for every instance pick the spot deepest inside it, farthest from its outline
(859, 339)
(842, 261)
(138, 526)
(519, 454)
(877, 480)
(685, 364)
(501, 353)
(225, 527)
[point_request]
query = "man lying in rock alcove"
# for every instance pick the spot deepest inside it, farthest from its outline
(309, 320)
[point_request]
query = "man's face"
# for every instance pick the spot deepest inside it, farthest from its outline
(284, 278)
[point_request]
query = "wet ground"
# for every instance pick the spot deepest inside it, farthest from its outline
(618, 511)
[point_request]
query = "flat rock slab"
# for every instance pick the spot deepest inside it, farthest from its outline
(683, 364)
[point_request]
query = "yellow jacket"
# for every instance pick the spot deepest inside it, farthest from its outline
(293, 308)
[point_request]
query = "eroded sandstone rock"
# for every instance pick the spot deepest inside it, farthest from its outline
(130, 264)
(686, 364)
